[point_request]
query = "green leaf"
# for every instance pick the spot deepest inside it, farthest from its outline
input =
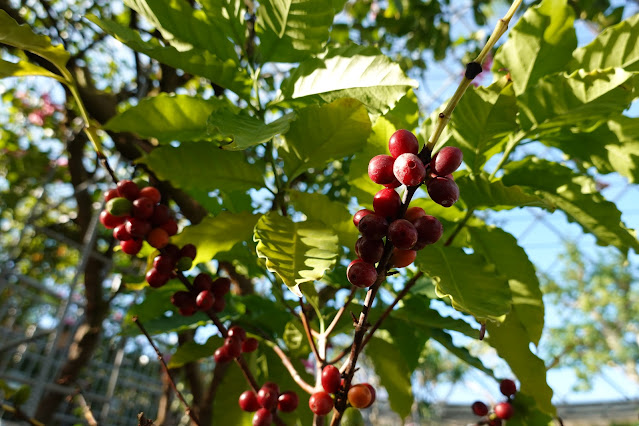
(539, 44)
(363, 73)
(167, 117)
(611, 147)
(226, 410)
(577, 196)
(296, 251)
(24, 69)
(185, 27)
(217, 234)
(318, 207)
(446, 340)
(196, 61)
(576, 99)
(616, 46)
(478, 192)
(393, 375)
(501, 249)
(511, 341)
(22, 37)
(469, 280)
(292, 30)
(362, 187)
(526, 412)
(482, 122)
(191, 351)
(204, 167)
(405, 114)
(416, 312)
(256, 312)
(324, 133)
(229, 17)
(243, 130)
(409, 339)
(21, 395)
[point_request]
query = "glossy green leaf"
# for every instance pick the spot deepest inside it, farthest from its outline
(196, 61)
(292, 30)
(409, 340)
(167, 118)
(616, 46)
(259, 315)
(576, 99)
(511, 341)
(243, 130)
(469, 280)
(324, 133)
(192, 351)
(204, 167)
(527, 413)
(362, 187)
(577, 196)
(217, 234)
(478, 192)
(184, 27)
(24, 69)
(446, 340)
(613, 146)
(393, 375)
(357, 72)
(23, 37)
(226, 410)
(229, 16)
(405, 114)
(318, 207)
(415, 311)
(297, 252)
(482, 122)
(501, 249)
(539, 44)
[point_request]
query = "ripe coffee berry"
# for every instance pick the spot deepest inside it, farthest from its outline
(373, 226)
(248, 401)
(412, 213)
(386, 203)
(443, 191)
(138, 228)
(373, 393)
(170, 226)
(321, 403)
(504, 410)
(361, 274)
(221, 286)
(267, 397)
(120, 233)
(402, 234)
(370, 251)
(161, 215)
(128, 189)
(479, 408)
(202, 282)
(233, 347)
(446, 161)
(109, 221)
(331, 379)
(359, 396)
(151, 193)
(402, 142)
(250, 345)
(181, 298)
(157, 238)
(237, 332)
(205, 300)
(111, 193)
(143, 208)
(429, 231)
(288, 401)
(359, 215)
(402, 258)
(507, 387)
(409, 169)
(380, 169)
(164, 264)
(262, 417)
(189, 251)
(156, 279)
(132, 246)
(221, 355)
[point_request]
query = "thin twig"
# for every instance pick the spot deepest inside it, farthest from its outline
(187, 407)
(20, 415)
(340, 356)
(309, 332)
(291, 368)
(340, 312)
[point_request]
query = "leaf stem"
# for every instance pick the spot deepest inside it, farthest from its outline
(309, 333)
(291, 368)
(460, 226)
(340, 312)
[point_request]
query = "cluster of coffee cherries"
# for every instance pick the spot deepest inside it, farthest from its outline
(501, 411)
(267, 402)
(361, 395)
(134, 213)
(234, 345)
(203, 295)
(416, 229)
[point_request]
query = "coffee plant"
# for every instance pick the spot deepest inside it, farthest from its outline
(247, 181)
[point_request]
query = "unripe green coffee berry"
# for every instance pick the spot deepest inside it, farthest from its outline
(119, 206)
(141, 182)
(352, 417)
(184, 264)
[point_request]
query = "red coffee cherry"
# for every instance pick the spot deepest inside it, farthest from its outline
(402, 258)
(189, 251)
(221, 355)
(157, 238)
(508, 387)
(143, 208)
(237, 332)
(248, 401)
(202, 282)
(429, 231)
(233, 347)
(412, 213)
(331, 379)
(132, 246)
(109, 221)
(402, 234)
(402, 142)
(164, 264)
(359, 396)
(205, 300)
(138, 228)
(170, 226)
(111, 193)
(359, 215)
(161, 215)
(446, 161)
(409, 169)
(386, 203)
(394, 184)
(288, 401)
(321, 403)
(504, 410)
(373, 393)
(267, 397)
(181, 298)
(380, 169)
(370, 251)
(262, 417)
(120, 233)
(361, 274)
(221, 286)
(479, 408)
(373, 226)
(128, 189)
(151, 193)
(250, 345)
(443, 191)
(156, 278)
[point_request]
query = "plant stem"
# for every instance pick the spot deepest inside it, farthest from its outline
(309, 333)
(340, 312)
(291, 368)
(512, 144)
(187, 407)
(460, 226)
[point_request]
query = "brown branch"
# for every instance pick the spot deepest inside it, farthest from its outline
(291, 369)
(309, 332)
(341, 355)
(187, 408)
(206, 410)
(340, 312)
